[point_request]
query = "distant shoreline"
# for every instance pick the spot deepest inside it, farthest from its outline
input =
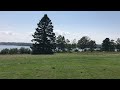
(12, 45)
(28, 44)
(16, 43)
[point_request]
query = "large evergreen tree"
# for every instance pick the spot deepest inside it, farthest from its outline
(44, 37)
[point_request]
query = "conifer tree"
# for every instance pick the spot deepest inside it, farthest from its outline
(44, 37)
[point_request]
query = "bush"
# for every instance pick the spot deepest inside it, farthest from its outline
(76, 50)
(4, 51)
(13, 51)
(23, 50)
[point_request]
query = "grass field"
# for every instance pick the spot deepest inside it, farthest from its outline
(61, 66)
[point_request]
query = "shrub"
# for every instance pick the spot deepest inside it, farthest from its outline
(4, 51)
(23, 50)
(13, 51)
(76, 50)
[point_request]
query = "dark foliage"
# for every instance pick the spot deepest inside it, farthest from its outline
(92, 45)
(23, 50)
(118, 44)
(60, 43)
(108, 45)
(83, 42)
(44, 37)
(112, 45)
(13, 51)
(4, 51)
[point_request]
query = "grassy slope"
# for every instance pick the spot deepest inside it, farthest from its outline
(61, 66)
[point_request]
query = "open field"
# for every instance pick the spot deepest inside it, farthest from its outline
(61, 66)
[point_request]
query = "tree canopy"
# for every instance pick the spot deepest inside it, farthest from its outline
(108, 45)
(60, 43)
(83, 42)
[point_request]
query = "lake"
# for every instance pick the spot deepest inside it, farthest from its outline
(12, 46)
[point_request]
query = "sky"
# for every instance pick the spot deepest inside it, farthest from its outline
(18, 26)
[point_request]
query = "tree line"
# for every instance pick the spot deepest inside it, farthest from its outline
(45, 41)
(22, 50)
(64, 45)
(86, 44)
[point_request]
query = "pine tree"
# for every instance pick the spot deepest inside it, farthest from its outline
(44, 37)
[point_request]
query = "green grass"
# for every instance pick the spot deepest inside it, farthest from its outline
(61, 66)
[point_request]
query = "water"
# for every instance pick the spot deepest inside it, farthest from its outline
(12, 46)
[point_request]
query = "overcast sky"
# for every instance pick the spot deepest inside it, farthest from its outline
(18, 26)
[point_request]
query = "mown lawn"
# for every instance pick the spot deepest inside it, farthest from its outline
(61, 66)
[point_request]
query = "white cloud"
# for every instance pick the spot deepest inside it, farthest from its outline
(12, 36)
(9, 36)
